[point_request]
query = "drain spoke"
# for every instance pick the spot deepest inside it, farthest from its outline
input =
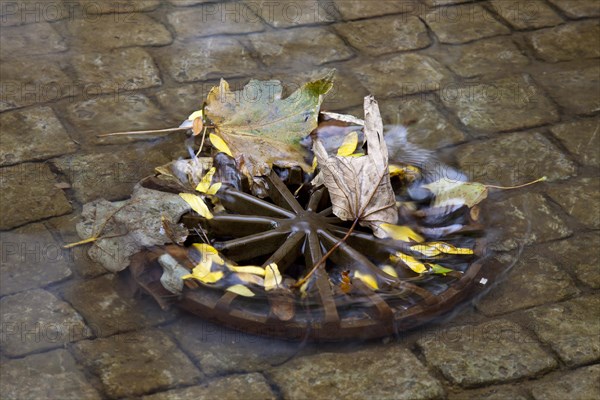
(244, 203)
(287, 252)
(315, 199)
(251, 246)
(281, 195)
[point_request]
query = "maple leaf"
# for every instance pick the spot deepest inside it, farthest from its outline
(262, 129)
(360, 187)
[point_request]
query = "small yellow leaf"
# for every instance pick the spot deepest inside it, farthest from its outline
(197, 204)
(203, 274)
(411, 262)
(195, 114)
(205, 248)
(403, 233)
(204, 184)
(250, 278)
(434, 248)
(249, 269)
(349, 144)
(241, 290)
(211, 277)
(272, 277)
(314, 163)
(388, 269)
(303, 289)
(368, 279)
(219, 144)
(213, 189)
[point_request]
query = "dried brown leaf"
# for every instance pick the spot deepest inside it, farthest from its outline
(360, 186)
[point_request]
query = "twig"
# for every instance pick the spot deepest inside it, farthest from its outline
(326, 256)
(97, 236)
(167, 130)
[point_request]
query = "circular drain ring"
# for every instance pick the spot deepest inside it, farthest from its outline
(285, 229)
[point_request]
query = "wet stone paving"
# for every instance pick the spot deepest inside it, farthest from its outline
(507, 90)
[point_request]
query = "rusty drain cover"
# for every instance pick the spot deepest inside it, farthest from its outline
(295, 231)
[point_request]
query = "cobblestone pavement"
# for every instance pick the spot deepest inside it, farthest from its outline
(508, 89)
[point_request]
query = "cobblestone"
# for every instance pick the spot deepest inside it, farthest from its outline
(526, 14)
(122, 6)
(112, 174)
(426, 126)
(223, 351)
(492, 352)
(299, 47)
(108, 307)
(209, 20)
(28, 193)
(503, 392)
(297, 13)
(77, 257)
(526, 219)
(31, 258)
(30, 40)
(36, 320)
(506, 160)
(534, 280)
(574, 89)
(578, 8)
(503, 104)
(34, 134)
(413, 73)
(581, 139)
(107, 31)
(488, 57)
(117, 71)
(579, 254)
(23, 86)
(358, 9)
(136, 363)
(117, 113)
(570, 328)
(387, 372)
(248, 386)
(583, 201)
(463, 23)
(52, 375)
(385, 35)
(567, 42)
(208, 58)
(583, 383)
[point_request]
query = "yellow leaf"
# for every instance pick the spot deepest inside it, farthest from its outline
(272, 277)
(201, 274)
(434, 248)
(250, 278)
(195, 114)
(403, 233)
(249, 269)
(241, 290)
(205, 248)
(411, 262)
(388, 269)
(209, 253)
(213, 189)
(197, 204)
(368, 279)
(219, 144)
(348, 145)
(204, 184)
(404, 171)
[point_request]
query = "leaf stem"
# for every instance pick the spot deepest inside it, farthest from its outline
(167, 130)
(542, 179)
(326, 256)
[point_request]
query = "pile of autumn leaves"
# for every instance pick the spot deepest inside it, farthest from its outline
(267, 132)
